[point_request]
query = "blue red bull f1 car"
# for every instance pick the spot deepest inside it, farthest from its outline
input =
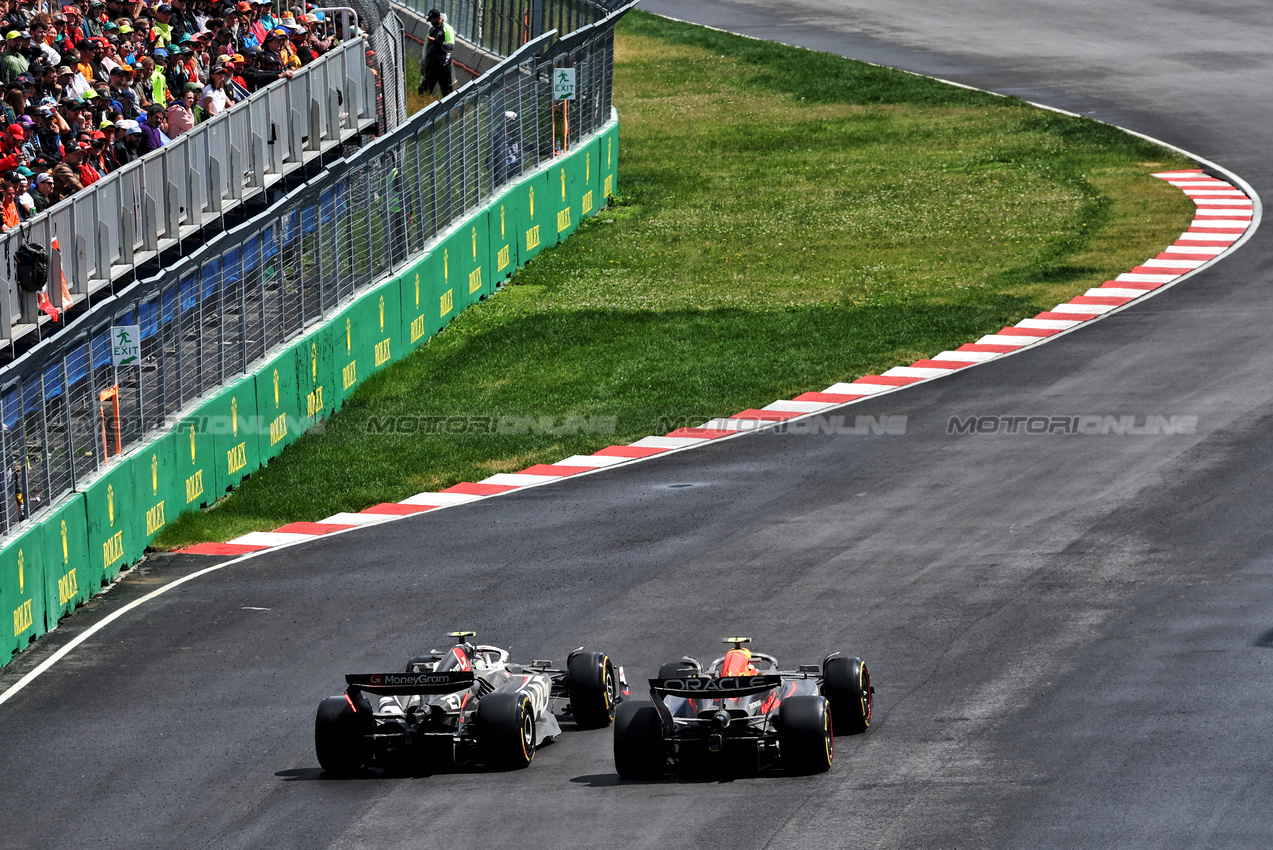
(742, 713)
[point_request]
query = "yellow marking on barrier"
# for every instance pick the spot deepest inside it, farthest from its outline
(475, 280)
(67, 587)
(110, 503)
(66, 549)
(609, 188)
(22, 618)
(446, 303)
(236, 458)
(155, 519)
(503, 259)
(349, 375)
(501, 221)
(417, 328)
(278, 428)
(609, 151)
(113, 550)
(417, 289)
(234, 415)
(446, 265)
(314, 402)
(532, 201)
(276, 387)
(475, 243)
(154, 474)
(349, 339)
(382, 312)
(532, 238)
(586, 205)
(382, 352)
(194, 486)
(192, 444)
(313, 361)
(22, 582)
(587, 168)
(563, 220)
(563, 184)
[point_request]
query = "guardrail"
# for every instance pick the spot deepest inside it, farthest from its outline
(132, 215)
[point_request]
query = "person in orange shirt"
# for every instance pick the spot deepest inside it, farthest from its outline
(9, 203)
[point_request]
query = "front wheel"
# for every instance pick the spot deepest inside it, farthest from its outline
(847, 684)
(805, 739)
(638, 741)
(339, 741)
(594, 689)
(506, 731)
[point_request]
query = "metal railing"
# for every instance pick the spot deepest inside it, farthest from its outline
(218, 312)
(503, 26)
(131, 215)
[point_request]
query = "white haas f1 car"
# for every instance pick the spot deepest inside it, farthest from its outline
(742, 714)
(469, 703)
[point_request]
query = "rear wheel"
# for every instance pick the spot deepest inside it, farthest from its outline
(638, 741)
(594, 689)
(804, 734)
(506, 731)
(338, 737)
(847, 684)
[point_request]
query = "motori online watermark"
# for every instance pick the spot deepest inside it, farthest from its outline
(830, 424)
(553, 426)
(1090, 425)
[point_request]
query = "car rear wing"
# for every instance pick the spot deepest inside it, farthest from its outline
(711, 687)
(403, 684)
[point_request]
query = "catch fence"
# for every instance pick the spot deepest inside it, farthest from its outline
(217, 313)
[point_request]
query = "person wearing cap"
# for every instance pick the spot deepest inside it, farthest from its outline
(42, 195)
(215, 99)
(122, 93)
(435, 63)
(75, 28)
(121, 151)
(162, 29)
(90, 64)
(158, 81)
(177, 72)
(66, 174)
(12, 62)
(95, 20)
(11, 143)
(269, 65)
(183, 21)
(26, 203)
(99, 155)
(10, 215)
(141, 83)
(47, 133)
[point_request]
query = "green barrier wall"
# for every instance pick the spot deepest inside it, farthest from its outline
(22, 592)
(278, 404)
(114, 512)
(503, 224)
(194, 470)
(608, 154)
(232, 417)
(156, 485)
(538, 217)
(65, 558)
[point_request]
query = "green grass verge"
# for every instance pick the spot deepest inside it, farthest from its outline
(788, 219)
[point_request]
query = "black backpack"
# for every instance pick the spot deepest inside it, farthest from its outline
(31, 267)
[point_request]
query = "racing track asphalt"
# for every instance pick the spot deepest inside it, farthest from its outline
(1071, 634)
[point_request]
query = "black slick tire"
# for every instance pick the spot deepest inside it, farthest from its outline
(506, 731)
(638, 741)
(847, 684)
(805, 734)
(594, 689)
(339, 739)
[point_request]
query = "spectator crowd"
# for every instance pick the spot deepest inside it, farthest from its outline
(90, 87)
